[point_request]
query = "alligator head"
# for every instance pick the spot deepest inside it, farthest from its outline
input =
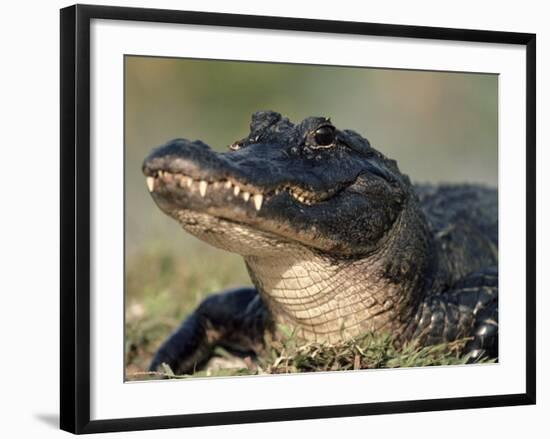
(308, 183)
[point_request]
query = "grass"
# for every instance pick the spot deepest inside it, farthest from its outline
(162, 288)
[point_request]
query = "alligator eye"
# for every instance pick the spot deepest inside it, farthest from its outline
(324, 135)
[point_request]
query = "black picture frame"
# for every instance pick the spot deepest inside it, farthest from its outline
(75, 217)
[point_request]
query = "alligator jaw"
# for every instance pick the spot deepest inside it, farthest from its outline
(199, 191)
(219, 211)
(231, 189)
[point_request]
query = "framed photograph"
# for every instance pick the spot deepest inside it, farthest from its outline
(274, 218)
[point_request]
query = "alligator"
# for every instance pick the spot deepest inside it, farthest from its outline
(337, 241)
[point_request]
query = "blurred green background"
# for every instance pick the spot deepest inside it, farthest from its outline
(440, 127)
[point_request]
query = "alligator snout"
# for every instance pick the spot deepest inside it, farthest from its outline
(184, 157)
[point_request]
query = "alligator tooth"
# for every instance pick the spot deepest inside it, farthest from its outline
(216, 184)
(301, 199)
(228, 184)
(150, 183)
(246, 196)
(236, 190)
(202, 187)
(189, 182)
(258, 200)
(160, 173)
(183, 180)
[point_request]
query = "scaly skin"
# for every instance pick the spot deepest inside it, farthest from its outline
(336, 240)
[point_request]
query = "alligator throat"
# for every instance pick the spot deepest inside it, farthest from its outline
(324, 299)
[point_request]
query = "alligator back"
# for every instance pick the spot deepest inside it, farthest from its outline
(464, 223)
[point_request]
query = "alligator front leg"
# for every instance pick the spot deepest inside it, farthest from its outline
(235, 318)
(468, 310)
